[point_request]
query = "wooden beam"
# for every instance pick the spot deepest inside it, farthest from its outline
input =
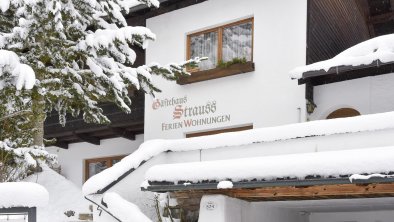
(87, 138)
(382, 18)
(299, 193)
(139, 17)
(363, 6)
(123, 133)
(61, 144)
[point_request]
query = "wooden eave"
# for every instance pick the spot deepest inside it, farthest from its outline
(291, 193)
(140, 14)
(343, 73)
(76, 130)
(281, 190)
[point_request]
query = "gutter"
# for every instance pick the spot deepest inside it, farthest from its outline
(336, 70)
(171, 187)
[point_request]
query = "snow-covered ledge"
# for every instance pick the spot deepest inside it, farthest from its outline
(330, 164)
(22, 194)
(377, 49)
(293, 132)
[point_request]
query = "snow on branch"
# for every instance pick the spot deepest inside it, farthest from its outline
(16, 162)
(23, 75)
(105, 38)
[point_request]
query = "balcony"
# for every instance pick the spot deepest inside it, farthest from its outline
(76, 130)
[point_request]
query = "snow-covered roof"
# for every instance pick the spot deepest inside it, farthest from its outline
(22, 194)
(377, 49)
(329, 164)
(122, 209)
(153, 148)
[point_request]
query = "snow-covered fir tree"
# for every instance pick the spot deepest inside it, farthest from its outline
(67, 55)
(16, 79)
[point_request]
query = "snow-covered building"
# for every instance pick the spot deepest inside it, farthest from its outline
(19, 201)
(277, 157)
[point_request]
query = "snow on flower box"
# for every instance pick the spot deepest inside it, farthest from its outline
(218, 72)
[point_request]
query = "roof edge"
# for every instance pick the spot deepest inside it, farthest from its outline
(166, 187)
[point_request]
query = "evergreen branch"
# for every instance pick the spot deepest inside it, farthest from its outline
(12, 115)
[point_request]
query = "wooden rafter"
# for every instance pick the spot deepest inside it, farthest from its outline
(298, 193)
(123, 133)
(87, 138)
(363, 6)
(382, 18)
(61, 144)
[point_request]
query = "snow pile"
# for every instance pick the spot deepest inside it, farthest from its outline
(380, 48)
(122, 209)
(293, 166)
(63, 196)
(23, 75)
(367, 177)
(225, 184)
(22, 194)
(153, 148)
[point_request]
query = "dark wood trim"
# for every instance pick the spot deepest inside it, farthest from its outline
(343, 73)
(213, 132)
(61, 144)
(100, 159)
(298, 193)
(219, 30)
(123, 133)
(363, 6)
(309, 92)
(139, 17)
(217, 73)
(87, 138)
(381, 18)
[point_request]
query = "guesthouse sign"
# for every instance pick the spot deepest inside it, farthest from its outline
(185, 115)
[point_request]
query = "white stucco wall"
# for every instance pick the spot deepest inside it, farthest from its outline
(366, 216)
(221, 208)
(367, 95)
(72, 160)
(129, 187)
(266, 97)
(265, 211)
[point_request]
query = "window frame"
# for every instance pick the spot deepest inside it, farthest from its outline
(108, 160)
(219, 131)
(219, 30)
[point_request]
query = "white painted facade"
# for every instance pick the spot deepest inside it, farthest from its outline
(72, 160)
(129, 188)
(258, 97)
(367, 95)
(263, 98)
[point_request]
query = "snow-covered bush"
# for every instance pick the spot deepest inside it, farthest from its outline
(17, 163)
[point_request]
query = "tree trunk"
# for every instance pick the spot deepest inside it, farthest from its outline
(38, 108)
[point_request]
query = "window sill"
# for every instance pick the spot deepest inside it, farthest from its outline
(216, 73)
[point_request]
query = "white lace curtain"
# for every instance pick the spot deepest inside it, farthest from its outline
(236, 43)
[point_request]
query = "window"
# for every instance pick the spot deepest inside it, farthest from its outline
(342, 113)
(212, 132)
(224, 44)
(95, 166)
